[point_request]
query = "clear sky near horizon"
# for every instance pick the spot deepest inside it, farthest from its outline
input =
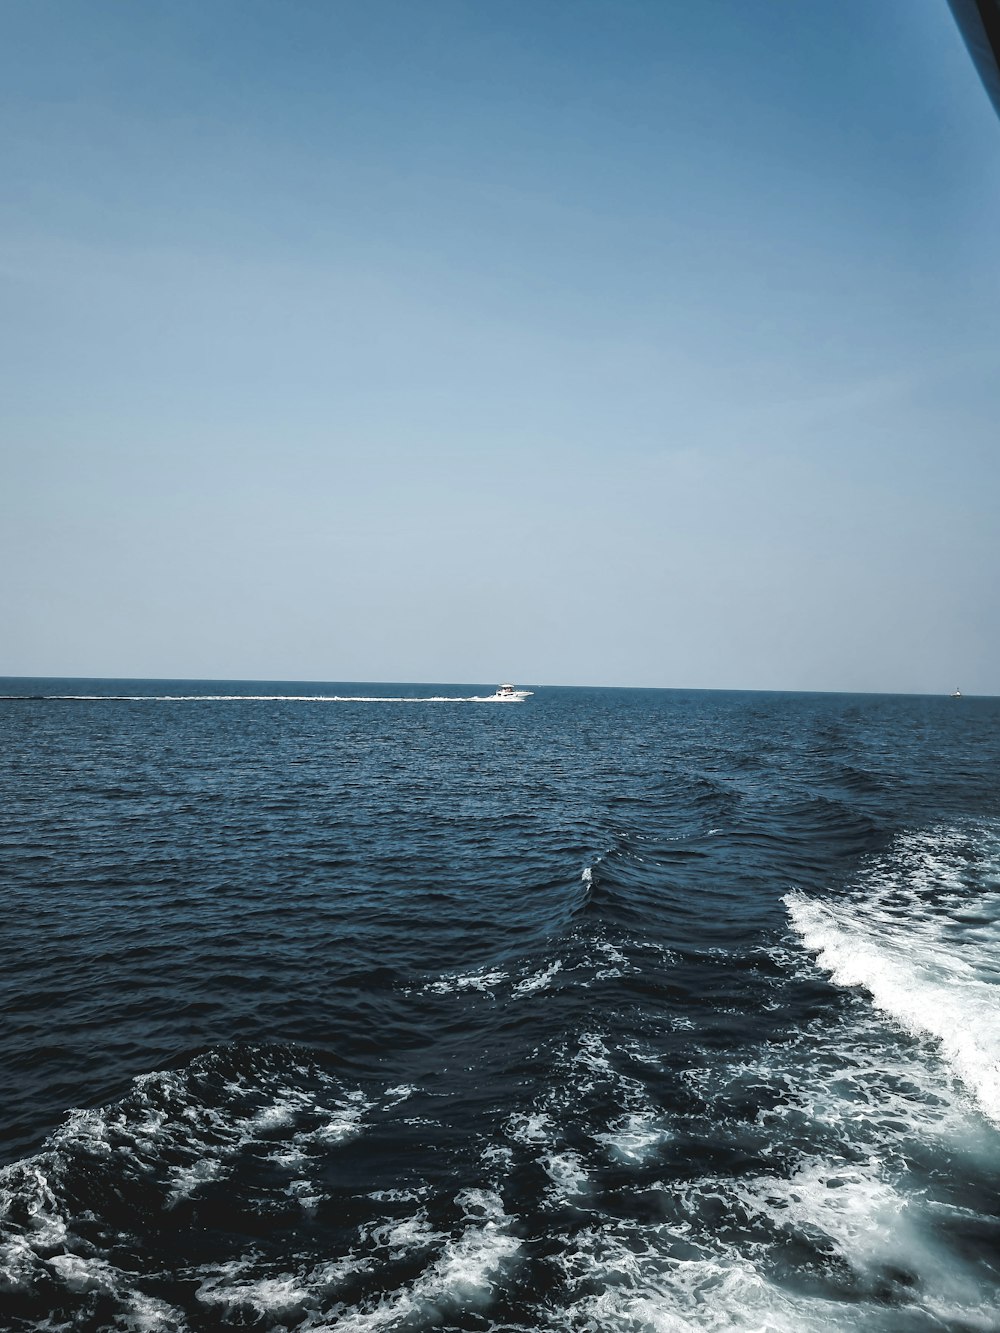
(637, 342)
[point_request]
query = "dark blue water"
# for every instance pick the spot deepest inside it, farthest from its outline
(609, 1010)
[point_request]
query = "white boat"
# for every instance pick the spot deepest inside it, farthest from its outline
(956, 694)
(507, 694)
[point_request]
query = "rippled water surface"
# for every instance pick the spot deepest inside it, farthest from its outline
(351, 1007)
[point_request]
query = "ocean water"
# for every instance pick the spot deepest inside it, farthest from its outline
(609, 1010)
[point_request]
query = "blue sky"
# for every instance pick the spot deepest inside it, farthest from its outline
(636, 343)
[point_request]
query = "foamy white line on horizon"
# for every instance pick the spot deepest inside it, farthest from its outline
(268, 698)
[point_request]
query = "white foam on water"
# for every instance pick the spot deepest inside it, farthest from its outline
(490, 979)
(499, 1157)
(592, 1053)
(567, 1173)
(615, 964)
(635, 1138)
(609, 952)
(463, 1276)
(146, 1314)
(923, 943)
(343, 1123)
(85, 1274)
(559, 1135)
(89, 1275)
(869, 1222)
(401, 1093)
(634, 1277)
(89, 1131)
(41, 1230)
(485, 979)
(246, 1290)
(284, 1296)
(630, 1284)
(213, 1142)
(277, 1116)
(306, 1194)
(163, 1138)
(845, 1081)
(25, 1186)
(398, 1195)
(19, 1265)
(529, 1128)
(187, 1179)
(467, 1267)
(853, 1110)
(403, 1236)
(833, 1230)
(541, 1134)
(865, 1142)
(590, 1066)
(538, 981)
(607, 961)
(290, 1158)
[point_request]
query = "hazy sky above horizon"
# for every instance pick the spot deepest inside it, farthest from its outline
(630, 343)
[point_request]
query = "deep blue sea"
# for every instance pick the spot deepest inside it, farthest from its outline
(638, 1010)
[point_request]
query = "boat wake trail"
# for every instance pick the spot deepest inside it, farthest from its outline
(922, 937)
(268, 698)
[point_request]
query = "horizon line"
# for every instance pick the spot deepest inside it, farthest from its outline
(679, 689)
